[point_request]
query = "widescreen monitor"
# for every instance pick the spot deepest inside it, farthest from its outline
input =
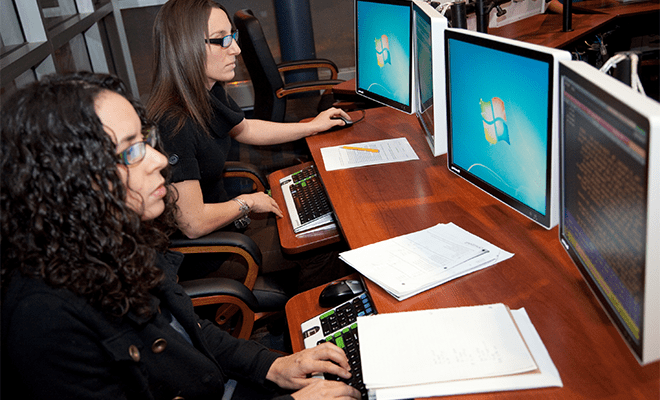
(610, 199)
(503, 120)
(429, 74)
(384, 52)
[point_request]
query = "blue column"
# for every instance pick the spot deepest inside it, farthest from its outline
(294, 28)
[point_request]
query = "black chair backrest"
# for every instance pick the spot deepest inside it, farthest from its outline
(261, 66)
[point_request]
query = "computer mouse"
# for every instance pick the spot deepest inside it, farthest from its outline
(339, 292)
(347, 123)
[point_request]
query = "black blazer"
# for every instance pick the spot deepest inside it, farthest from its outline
(56, 346)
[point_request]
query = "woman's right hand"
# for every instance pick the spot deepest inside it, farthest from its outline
(260, 202)
(321, 389)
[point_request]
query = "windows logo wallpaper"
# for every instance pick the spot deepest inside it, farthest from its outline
(383, 51)
(493, 115)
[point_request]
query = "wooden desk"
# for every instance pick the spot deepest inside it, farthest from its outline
(547, 29)
(379, 202)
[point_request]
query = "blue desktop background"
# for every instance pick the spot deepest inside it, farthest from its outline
(519, 167)
(392, 80)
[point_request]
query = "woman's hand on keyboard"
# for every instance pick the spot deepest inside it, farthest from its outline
(294, 371)
(321, 389)
(260, 202)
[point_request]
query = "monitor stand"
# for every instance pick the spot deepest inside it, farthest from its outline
(568, 15)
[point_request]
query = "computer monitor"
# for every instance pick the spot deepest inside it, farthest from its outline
(502, 113)
(610, 199)
(384, 52)
(429, 74)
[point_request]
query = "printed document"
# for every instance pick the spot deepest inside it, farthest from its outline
(410, 264)
(367, 153)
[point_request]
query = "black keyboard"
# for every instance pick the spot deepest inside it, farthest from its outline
(309, 195)
(347, 339)
(339, 326)
(308, 203)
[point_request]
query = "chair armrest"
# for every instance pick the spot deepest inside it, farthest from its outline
(246, 170)
(231, 297)
(316, 63)
(301, 87)
(224, 242)
(209, 287)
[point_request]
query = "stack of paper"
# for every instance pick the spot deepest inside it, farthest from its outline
(410, 264)
(452, 351)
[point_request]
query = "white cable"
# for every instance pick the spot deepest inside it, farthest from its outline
(635, 82)
(443, 7)
(615, 59)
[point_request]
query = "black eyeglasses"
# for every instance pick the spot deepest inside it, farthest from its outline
(225, 41)
(136, 152)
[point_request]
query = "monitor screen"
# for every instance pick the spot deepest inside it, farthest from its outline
(610, 210)
(383, 62)
(429, 74)
(502, 119)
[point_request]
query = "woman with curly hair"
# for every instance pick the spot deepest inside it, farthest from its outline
(90, 304)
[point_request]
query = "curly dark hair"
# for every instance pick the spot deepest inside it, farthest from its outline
(64, 215)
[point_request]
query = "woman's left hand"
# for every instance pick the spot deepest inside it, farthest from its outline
(292, 372)
(328, 119)
(260, 202)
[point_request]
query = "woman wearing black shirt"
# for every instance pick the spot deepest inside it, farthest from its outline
(195, 55)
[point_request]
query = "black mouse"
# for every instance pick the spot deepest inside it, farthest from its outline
(339, 292)
(347, 123)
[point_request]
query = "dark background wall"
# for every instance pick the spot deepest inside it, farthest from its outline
(332, 22)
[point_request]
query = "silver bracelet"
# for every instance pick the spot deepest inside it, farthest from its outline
(244, 221)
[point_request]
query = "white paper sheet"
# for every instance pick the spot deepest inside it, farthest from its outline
(547, 375)
(441, 345)
(383, 152)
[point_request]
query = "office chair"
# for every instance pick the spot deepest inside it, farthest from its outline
(270, 91)
(238, 305)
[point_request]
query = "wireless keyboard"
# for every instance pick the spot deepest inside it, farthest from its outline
(339, 326)
(306, 200)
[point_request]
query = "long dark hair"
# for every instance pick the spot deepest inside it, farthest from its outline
(178, 90)
(64, 215)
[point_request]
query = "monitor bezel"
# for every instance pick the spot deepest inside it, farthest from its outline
(548, 56)
(362, 91)
(435, 130)
(624, 99)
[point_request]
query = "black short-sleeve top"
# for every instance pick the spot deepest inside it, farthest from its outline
(196, 155)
